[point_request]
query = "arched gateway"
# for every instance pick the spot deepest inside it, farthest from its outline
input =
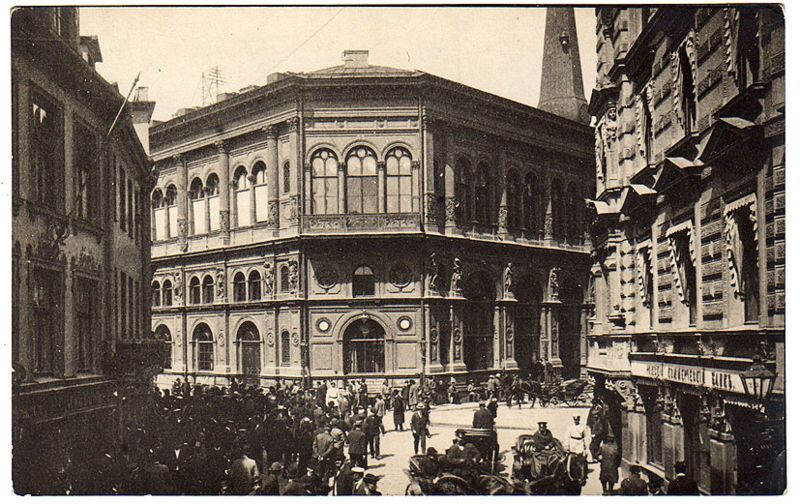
(364, 343)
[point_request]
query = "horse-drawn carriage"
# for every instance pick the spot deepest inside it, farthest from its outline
(552, 471)
(554, 393)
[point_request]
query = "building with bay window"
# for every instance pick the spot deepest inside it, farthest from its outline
(366, 221)
(688, 240)
(81, 249)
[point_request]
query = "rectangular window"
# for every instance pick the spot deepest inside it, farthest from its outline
(47, 326)
(243, 208)
(115, 186)
(199, 216)
(172, 220)
(681, 242)
(741, 244)
(161, 223)
(130, 209)
(645, 279)
(213, 212)
(130, 308)
(286, 349)
(47, 149)
(85, 310)
(205, 355)
(262, 208)
(85, 160)
(137, 216)
(123, 305)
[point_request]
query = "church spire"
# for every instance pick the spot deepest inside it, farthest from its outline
(561, 92)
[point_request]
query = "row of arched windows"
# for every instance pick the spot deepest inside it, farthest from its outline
(362, 194)
(248, 337)
(249, 206)
(479, 198)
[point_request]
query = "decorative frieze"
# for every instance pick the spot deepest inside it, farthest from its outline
(361, 222)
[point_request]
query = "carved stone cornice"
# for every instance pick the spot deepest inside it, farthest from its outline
(222, 146)
(271, 131)
(293, 124)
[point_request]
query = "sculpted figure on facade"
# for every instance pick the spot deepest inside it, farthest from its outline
(433, 273)
(553, 283)
(221, 284)
(269, 278)
(177, 288)
(508, 278)
(293, 276)
(455, 281)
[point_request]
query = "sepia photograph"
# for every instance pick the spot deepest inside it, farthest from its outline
(417, 250)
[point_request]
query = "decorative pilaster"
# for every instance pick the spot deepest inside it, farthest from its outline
(340, 185)
(381, 186)
(273, 215)
(414, 186)
(183, 222)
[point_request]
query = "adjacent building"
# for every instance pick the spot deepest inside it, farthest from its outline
(689, 240)
(81, 249)
(366, 221)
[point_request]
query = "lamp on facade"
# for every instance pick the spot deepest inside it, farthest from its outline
(758, 380)
(564, 39)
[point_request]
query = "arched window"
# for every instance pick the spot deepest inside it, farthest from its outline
(286, 348)
(171, 200)
(262, 206)
(160, 229)
(575, 217)
(212, 195)
(478, 344)
(239, 288)
(398, 181)
(241, 185)
(362, 181)
(687, 91)
(166, 293)
(194, 290)
(208, 290)
(204, 344)
(491, 191)
(482, 195)
(156, 298)
(512, 199)
(287, 177)
(163, 335)
(254, 286)
(196, 195)
(528, 203)
(364, 342)
(363, 281)
(463, 171)
(285, 287)
(324, 182)
(556, 207)
(250, 342)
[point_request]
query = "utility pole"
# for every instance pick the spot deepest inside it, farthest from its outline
(212, 79)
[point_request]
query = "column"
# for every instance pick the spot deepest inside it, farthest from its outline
(723, 456)
(295, 160)
(502, 207)
(415, 186)
(429, 170)
(252, 196)
(544, 333)
(342, 201)
(273, 220)
(381, 187)
(183, 229)
(450, 201)
(548, 216)
(307, 188)
(223, 149)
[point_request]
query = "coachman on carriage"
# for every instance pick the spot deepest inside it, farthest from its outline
(548, 469)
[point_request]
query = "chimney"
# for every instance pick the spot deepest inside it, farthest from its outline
(355, 58)
(275, 77)
(561, 91)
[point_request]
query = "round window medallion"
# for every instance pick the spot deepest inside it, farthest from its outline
(400, 275)
(404, 324)
(323, 325)
(295, 339)
(326, 277)
(457, 336)
(270, 339)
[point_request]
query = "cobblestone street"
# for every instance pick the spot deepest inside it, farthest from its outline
(397, 447)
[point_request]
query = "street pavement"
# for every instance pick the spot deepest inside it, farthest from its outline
(398, 447)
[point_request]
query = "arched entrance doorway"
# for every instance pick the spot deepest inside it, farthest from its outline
(569, 327)
(363, 349)
(479, 289)
(249, 341)
(165, 337)
(526, 322)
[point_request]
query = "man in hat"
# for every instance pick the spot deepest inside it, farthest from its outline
(358, 477)
(482, 419)
(372, 429)
(322, 448)
(610, 458)
(682, 484)
(273, 481)
(413, 395)
(543, 438)
(380, 411)
(634, 484)
(576, 437)
(419, 428)
(453, 453)
(369, 486)
(343, 477)
(313, 482)
(357, 446)
(492, 407)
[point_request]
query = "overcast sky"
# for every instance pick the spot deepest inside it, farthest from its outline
(498, 50)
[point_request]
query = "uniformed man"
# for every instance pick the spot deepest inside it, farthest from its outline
(543, 438)
(576, 436)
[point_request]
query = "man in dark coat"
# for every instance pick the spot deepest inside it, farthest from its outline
(357, 446)
(634, 484)
(482, 419)
(322, 391)
(398, 412)
(343, 478)
(372, 429)
(610, 458)
(419, 429)
(272, 482)
(492, 407)
(682, 484)
(543, 438)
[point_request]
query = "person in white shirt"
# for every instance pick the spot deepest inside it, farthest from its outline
(576, 437)
(332, 395)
